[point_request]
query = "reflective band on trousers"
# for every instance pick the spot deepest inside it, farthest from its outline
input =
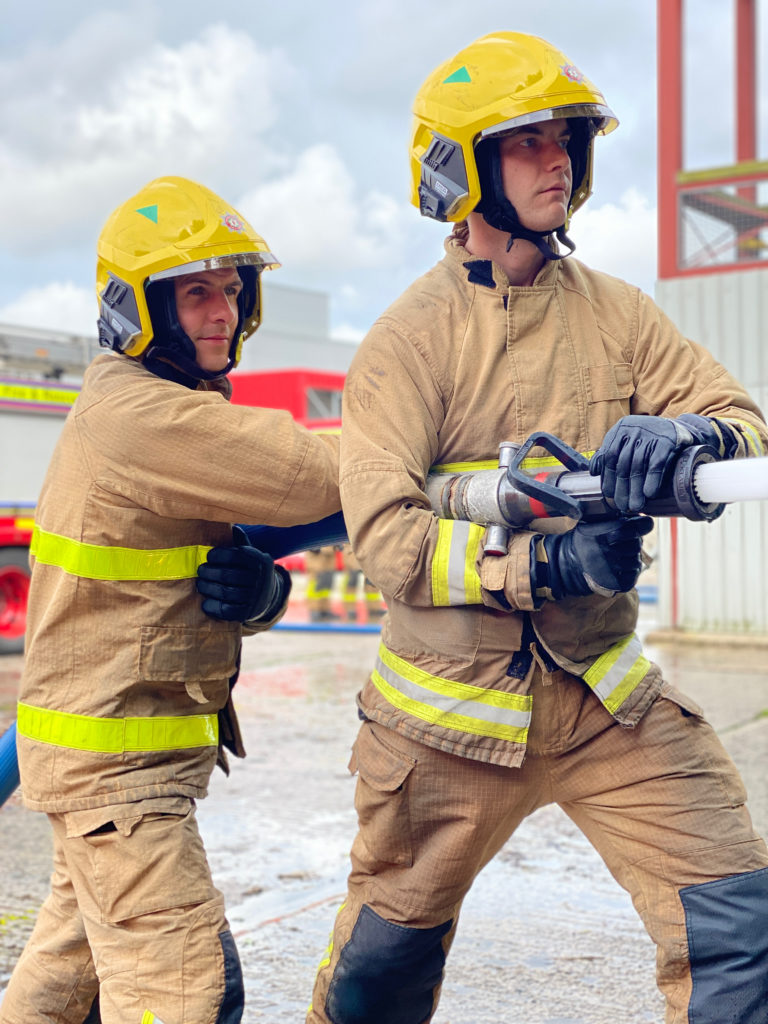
(98, 562)
(455, 579)
(448, 704)
(615, 674)
(116, 735)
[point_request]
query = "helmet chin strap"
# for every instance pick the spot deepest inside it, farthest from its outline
(499, 213)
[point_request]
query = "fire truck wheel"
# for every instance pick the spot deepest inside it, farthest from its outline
(14, 586)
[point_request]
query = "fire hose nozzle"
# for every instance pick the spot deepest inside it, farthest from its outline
(511, 498)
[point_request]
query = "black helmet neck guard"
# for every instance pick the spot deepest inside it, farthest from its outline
(171, 354)
(499, 213)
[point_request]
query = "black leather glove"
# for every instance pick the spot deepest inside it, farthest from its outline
(592, 558)
(242, 584)
(638, 450)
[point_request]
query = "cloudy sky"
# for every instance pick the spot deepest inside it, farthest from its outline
(298, 113)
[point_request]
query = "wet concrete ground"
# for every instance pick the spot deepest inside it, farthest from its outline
(546, 935)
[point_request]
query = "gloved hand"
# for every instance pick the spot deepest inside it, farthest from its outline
(594, 558)
(638, 450)
(242, 584)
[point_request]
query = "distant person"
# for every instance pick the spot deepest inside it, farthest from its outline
(125, 703)
(371, 596)
(320, 564)
(504, 683)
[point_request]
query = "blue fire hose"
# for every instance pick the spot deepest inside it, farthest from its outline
(9, 765)
(276, 541)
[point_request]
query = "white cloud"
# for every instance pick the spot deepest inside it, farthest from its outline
(198, 110)
(315, 216)
(261, 104)
(619, 238)
(58, 306)
(190, 96)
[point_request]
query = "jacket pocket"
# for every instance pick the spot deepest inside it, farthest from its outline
(608, 382)
(381, 801)
(687, 705)
(445, 637)
(200, 660)
(160, 865)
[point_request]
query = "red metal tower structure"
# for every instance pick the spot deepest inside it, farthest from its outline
(713, 220)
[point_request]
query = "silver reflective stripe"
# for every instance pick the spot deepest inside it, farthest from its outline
(455, 580)
(449, 704)
(457, 558)
(615, 674)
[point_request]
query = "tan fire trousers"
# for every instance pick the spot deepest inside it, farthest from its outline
(663, 804)
(133, 915)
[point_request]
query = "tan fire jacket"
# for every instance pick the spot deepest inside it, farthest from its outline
(124, 674)
(460, 362)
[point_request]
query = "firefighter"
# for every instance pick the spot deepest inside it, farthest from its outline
(506, 683)
(320, 564)
(125, 701)
(353, 575)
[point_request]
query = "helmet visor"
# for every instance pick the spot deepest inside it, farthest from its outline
(260, 260)
(602, 116)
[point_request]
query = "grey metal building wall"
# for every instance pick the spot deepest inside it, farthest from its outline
(722, 579)
(295, 332)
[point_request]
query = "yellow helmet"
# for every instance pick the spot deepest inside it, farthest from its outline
(172, 226)
(498, 83)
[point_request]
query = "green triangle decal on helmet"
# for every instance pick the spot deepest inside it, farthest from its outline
(462, 75)
(150, 212)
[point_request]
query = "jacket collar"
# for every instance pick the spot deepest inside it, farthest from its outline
(480, 271)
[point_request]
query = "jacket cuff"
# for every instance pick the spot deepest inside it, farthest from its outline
(278, 606)
(506, 580)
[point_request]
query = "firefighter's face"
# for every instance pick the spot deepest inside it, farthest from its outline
(536, 173)
(206, 306)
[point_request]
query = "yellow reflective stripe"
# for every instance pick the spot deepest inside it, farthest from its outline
(616, 673)
(98, 562)
(37, 395)
(538, 462)
(472, 587)
(464, 467)
(329, 949)
(460, 707)
(116, 735)
(440, 596)
(750, 435)
(455, 580)
(313, 591)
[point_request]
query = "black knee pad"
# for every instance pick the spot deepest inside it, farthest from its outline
(727, 925)
(386, 974)
(233, 1002)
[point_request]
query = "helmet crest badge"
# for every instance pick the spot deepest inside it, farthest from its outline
(572, 73)
(232, 221)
